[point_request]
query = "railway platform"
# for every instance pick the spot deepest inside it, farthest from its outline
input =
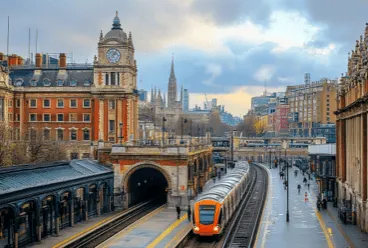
(161, 228)
(307, 227)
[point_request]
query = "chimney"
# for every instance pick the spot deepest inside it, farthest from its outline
(62, 61)
(2, 57)
(38, 60)
(20, 60)
(13, 60)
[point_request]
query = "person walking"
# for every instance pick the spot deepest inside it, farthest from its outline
(189, 213)
(178, 210)
(299, 187)
(308, 185)
(305, 181)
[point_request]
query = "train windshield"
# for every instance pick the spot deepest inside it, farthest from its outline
(206, 214)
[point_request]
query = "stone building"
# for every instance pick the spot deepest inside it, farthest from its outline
(311, 105)
(37, 201)
(75, 104)
(351, 128)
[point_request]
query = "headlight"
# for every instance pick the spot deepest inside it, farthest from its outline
(216, 228)
(196, 228)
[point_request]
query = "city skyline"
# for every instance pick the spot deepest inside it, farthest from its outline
(228, 55)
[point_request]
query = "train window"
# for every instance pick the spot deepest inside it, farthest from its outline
(193, 217)
(220, 218)
(206, 214)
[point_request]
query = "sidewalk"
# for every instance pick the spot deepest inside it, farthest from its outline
(307, 227)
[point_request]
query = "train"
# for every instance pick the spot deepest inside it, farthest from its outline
(213, 209)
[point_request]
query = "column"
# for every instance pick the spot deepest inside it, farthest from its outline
(71, 209)
(364, 163)
(119, 118)
(343, 150)
(57, 218)
(38, 224)
(116, 78)
(101, 119)
(16, 233)
(109, 78)
(86, 209)
(129, 117)
(21, 113)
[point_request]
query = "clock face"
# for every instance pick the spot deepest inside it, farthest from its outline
(113, 55)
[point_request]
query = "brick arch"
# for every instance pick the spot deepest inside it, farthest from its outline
(141, 165)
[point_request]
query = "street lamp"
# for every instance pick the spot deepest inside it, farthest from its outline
(121, 133)
(287, 182)
(163, 130)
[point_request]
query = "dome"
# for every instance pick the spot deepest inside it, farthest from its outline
(116, 31)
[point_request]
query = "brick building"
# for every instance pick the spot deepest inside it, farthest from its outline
(74, 104)
(281, 119)
(351, 128)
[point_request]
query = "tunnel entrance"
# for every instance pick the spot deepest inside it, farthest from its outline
(145, 184)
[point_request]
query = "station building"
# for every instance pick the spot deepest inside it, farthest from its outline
(37, 201)
(76, 104)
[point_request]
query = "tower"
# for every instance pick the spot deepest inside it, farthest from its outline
(115, 85)
(171, 93)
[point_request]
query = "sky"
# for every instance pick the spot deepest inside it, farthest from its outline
(227, 49)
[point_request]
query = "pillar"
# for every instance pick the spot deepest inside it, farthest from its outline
(21, 123)
(364, 163)
(109, 78)
(38, 224)
(109, 204)
(101, 119)
(86, 210)
(343, 150)
(57, 219)
(71, 207)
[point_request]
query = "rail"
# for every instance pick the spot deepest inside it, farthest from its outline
(105, 231)
(243, 229)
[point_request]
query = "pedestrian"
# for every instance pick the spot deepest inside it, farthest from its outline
(318, 205)
(305, 181)
(324, 203)
(189, 213)
(308, 185)
(296, 173)
(280, 174)
(299, 187)
(309, 177)
(178, 211)
(285, 184)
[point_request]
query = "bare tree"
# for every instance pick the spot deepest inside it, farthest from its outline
(247, 126)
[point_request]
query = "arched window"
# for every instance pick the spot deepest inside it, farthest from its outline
(60, 82)
(46, 82)
(18, 82)
(73, 82)
(33, 82)
(87, 82)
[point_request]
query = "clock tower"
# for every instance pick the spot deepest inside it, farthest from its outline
(115, 86)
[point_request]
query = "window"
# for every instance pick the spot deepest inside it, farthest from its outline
(60, 103)
(46, 103)
(32, 117)
(33, 103)
(17, 103)
(111, 139)
(206, 214)
(87, 117)
(33, 82)
(46, 82)
(60, 82)
(73, 117)
(86, 103)
(10, 103)
(46, 117)
(111, 126)
(328, 105)
(87, 82)
(46, 134)
(60, 134)
(113, 79)
(18, 82)
(107, 78)
(60, 117)
(85, 155)
(73, 134)
(86, 134)
(73, 82)
(73, 103)
(327, 96)
(74, 155)
(111, 104)
(17, 117)
(10, 116)
(328, 100)
(32, 134)
(328, 109)
(2, 109)
(328, 113)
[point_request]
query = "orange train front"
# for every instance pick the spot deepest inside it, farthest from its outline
(213, 209)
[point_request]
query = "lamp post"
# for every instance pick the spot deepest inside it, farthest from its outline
(163, 130)
(287, 186)
(198, 132)
(121, 132)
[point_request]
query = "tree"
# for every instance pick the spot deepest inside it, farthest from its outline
(247, 126)
(260, 127)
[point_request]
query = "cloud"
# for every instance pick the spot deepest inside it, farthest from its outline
(214, 70)
(264, 73)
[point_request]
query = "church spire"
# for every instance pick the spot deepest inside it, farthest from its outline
(172, 72)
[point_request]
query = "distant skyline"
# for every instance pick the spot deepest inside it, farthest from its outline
(227, 49)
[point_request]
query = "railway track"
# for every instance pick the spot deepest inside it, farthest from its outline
(104, 232)
(242, 229)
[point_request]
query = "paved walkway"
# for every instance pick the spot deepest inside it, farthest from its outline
(160, 228)
(69, 232)
(307, 227)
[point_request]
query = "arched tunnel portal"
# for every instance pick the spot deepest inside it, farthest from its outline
(147, 182)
